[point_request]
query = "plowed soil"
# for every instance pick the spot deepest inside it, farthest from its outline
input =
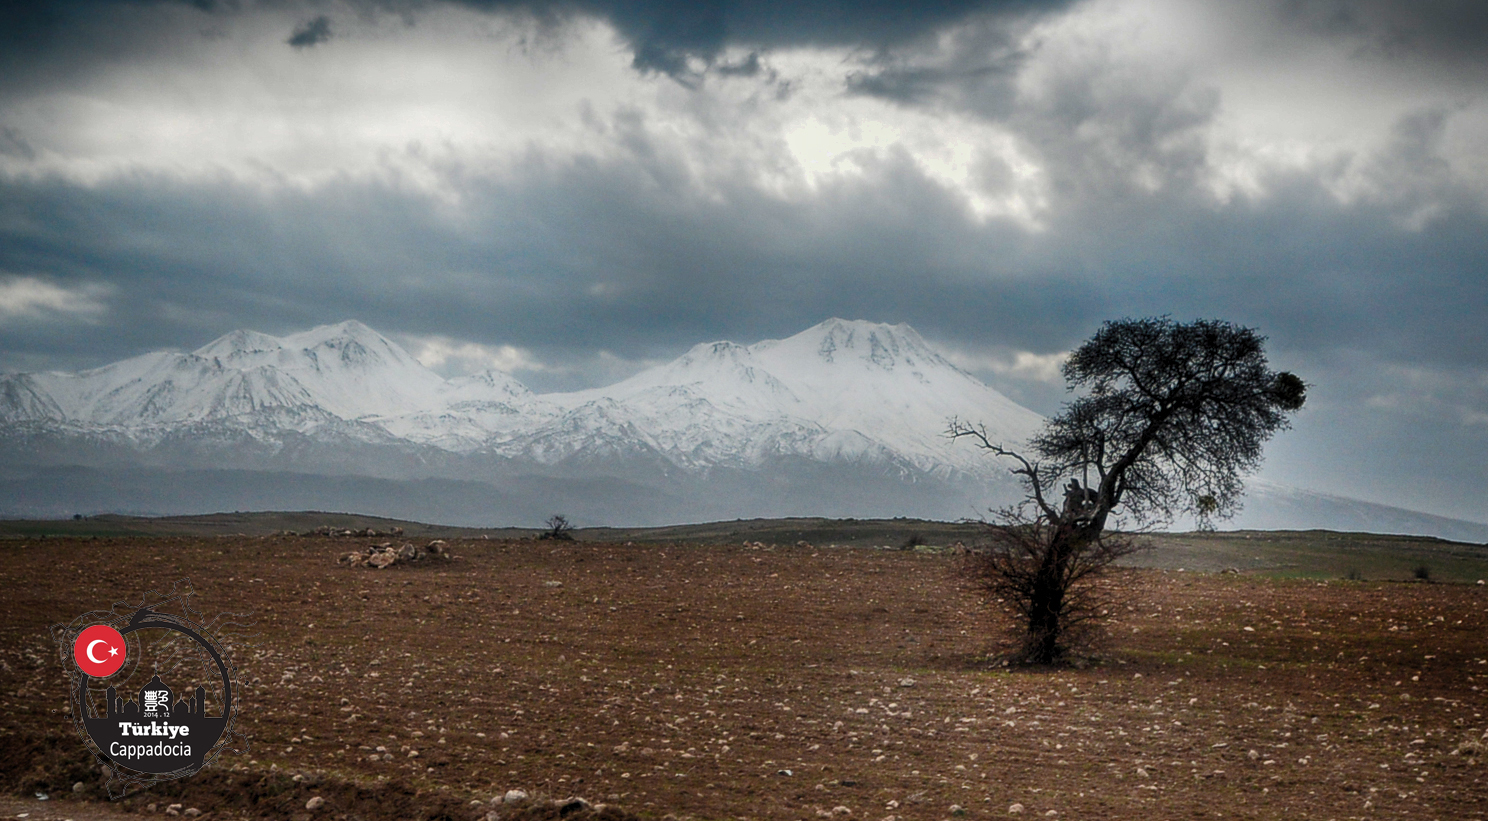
(791, 683)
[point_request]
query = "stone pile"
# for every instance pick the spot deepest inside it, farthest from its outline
(385, 555)
(340, 532)
(515, 804)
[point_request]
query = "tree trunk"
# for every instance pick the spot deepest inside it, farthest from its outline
(1046, 616)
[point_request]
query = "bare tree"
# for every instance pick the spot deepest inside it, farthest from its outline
(1172, 416)
(558, 528)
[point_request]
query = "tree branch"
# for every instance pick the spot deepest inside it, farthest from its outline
(1030, 470)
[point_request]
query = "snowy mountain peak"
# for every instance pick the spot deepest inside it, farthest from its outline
(353, 345)
(872, 344)
(238, 342)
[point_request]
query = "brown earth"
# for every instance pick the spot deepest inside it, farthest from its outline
(728, 682)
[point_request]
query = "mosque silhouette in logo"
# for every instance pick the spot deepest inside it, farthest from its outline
(155, 701)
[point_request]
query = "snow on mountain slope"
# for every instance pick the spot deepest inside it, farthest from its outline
(248, 380)
(350, 370)
(844, 391)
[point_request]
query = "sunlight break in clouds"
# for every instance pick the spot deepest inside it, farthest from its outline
(1257, 95)
(465, 95)
(35, 298)
(1025, 365)
(449, 357)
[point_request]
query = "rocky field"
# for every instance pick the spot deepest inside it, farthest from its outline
(706, 681)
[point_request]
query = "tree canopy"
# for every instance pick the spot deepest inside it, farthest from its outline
(1173, 416)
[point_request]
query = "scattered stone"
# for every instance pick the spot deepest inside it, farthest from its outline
(514, 797)
(571, 806)
(327, 531)
(191, 812)
(1015, 808)
(906, 682)
(385, 555)
(79, 787)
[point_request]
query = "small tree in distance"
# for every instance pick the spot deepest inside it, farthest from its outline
(558, 528)
(1172, 416)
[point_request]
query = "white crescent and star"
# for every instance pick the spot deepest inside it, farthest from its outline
(89, 651)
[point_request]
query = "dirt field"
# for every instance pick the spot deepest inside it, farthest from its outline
(728, 682)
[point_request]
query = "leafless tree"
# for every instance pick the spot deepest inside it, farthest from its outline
(1171, 416)
(558, 528)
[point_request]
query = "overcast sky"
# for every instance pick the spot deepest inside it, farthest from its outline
(572, 191)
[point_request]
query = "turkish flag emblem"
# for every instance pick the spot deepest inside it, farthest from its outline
(99, 651)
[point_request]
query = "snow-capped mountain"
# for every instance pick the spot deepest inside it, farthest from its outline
(843, 392)
(346, 371)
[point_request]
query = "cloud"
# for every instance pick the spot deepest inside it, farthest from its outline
(668, 37)
(31, 297)
(451, 357)
(1024, 365)
(311, 33)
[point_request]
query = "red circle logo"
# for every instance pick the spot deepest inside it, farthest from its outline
(99, 651)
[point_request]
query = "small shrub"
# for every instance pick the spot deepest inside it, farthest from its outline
(913, 542)
(558, 528)
(1354, 575)
(1423, 573)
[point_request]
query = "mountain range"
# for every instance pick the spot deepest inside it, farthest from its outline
(846, 418)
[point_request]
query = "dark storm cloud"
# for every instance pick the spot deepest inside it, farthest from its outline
(665, 33)
(311, 33)
(1450, 32)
